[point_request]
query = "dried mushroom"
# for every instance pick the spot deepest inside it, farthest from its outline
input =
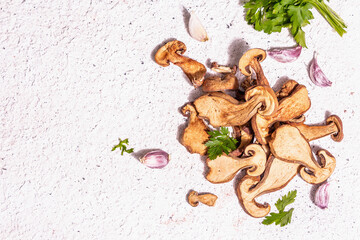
(224, 168)
(173, 52)
(221, 112)
(277, 175)
(290, 107)
(216, 83)
(250, 61)
(288, 144)
(195, 134)
(207, 198)
(333, 127)
(245, 136)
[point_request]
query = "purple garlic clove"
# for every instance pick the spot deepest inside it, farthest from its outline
(285, 55)
(316, 74)
(321, 198)
(155, 159)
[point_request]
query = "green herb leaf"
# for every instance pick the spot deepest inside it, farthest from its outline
(285, 200)
(122, 146)
(220, 142)
(282, 218)
(273, 15)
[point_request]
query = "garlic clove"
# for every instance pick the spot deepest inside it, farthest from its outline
(321, 198)
(196, 29)
(155, 159)
(285, 55)
(316, 74)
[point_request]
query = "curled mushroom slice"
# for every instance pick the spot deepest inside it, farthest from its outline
(250, 61)
(195, 134)
(206, 198)
(286, 89)
(215, 83)
(173, 52)
(221, 112)
(333, 127)
(289, 108)
(222, 69)
(225, 167)
(277, 175)
(245, 136)
(288, 144)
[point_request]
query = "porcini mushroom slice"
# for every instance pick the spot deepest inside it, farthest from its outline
(173, 52)
(207, 198)
(286, 89)
(333, 127)
(288, 144)
(245, 136)
(225, 167)
(289, 108)
(251, 61)
(221, 112)
(195, 134)
(277, 175)
(215, 83)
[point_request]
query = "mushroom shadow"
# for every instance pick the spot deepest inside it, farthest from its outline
(277, 86)
(159, 46)
(186, 18)
(194, 94)
(235, 51)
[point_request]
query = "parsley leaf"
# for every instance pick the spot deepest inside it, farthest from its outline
(273, 15)
(285, 200)
(220, 142)
(282, 217)
(122, 146)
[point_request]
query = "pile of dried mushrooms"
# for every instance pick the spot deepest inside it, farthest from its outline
(274, 140)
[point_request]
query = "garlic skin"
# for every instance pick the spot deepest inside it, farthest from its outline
(316, 74)
(196, 29)
(285, 55)
(321, 198)
(155, 159)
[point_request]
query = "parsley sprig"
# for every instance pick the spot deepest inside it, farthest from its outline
(122, 146)
(273, 15)
(282, 217)
(220, 142)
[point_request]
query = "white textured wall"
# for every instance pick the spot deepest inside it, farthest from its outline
(76, 76)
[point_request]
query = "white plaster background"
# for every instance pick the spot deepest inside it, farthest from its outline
(75, 76)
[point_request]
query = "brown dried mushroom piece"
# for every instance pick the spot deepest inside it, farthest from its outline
(221, 68)
(333, 127)
(288, 144)
(245, 136)
(216, 83)
(221, 112)
(289, 108)
(207, 198)
(251, 61)
(195, 134)
(286, 89)
(277, 175)
(173, 52)
(224, 168)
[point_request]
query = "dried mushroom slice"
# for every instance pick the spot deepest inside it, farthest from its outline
(250, 61)
(195, 134)
(173, 52)
(205, 198)
(245, 136)
(288, 144)
(287, 89)
(289, 108)
(277, 175)
(224, 168)
(221, 112)
(333, 127)
(216, 83)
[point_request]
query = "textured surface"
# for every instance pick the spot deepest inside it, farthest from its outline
(76, 76)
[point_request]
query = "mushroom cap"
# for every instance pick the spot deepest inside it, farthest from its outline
(256, 54)
(269, 100)
(193, 198)
(337, 137)
(169, 52)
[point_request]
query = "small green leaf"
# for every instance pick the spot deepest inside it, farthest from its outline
(220, 142)
(285, 200)
(122, 146)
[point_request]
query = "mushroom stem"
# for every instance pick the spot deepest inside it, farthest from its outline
(333, 128)
(207, 198)
(261, 80)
